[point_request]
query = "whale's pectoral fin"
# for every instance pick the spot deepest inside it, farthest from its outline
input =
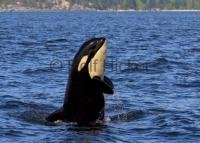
(57, 115)
(108, 81)
(106, 85)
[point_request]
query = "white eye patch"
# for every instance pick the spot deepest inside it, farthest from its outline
(82, 63)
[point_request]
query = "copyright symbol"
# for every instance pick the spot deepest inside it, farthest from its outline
(56, 65)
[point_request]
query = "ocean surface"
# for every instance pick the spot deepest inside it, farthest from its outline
(153, 60)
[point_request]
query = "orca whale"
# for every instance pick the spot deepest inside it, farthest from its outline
(84, 97)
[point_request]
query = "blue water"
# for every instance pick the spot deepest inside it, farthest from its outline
(153, 60)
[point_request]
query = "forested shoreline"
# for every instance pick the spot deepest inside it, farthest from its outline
(101, 4)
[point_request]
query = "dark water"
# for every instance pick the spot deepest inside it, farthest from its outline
(153, 60)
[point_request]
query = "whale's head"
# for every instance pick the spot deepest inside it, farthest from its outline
(91, 57)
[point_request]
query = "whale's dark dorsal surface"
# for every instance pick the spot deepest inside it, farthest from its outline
(84, 99)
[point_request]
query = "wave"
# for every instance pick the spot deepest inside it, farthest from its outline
(127, 116)
(192, 84)
(154, 66)
(59, 40)
(194, 50)
(17, 104)
(28, 43)
(38, 71)
(14, 84)
(28, 112)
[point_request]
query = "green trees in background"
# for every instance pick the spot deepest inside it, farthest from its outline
(168, 4)
(139, 4)
(114, 4)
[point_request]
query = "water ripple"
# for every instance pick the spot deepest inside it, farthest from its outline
(156, 76)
